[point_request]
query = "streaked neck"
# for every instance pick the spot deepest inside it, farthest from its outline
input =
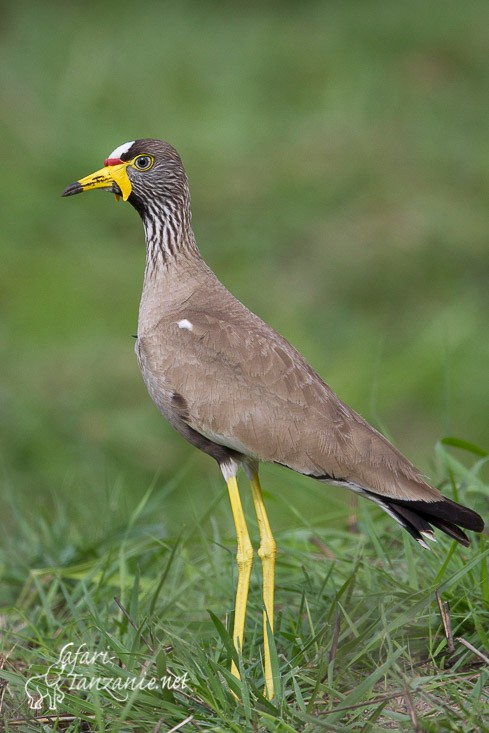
(169, 237)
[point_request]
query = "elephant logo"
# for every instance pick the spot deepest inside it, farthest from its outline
(46, 687)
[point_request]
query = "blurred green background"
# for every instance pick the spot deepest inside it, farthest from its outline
(338, 156)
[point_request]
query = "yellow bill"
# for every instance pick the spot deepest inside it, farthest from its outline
(104, 178)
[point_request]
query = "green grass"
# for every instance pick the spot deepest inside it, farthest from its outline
(338, 155)
(359, 639)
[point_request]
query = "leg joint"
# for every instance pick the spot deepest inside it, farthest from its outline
(268, 549)
(245, 553)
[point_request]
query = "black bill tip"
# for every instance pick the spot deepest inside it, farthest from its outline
(72, 189)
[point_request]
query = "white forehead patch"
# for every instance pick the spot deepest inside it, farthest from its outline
(121, 149)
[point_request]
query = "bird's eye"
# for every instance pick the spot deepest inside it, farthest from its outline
(143, 162)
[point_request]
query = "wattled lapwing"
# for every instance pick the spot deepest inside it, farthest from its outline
(236, 389)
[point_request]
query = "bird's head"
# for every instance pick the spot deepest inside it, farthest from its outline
(148, 173)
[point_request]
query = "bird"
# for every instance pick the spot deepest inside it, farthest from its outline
(240, 392)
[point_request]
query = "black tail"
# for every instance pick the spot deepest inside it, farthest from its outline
(418, 517)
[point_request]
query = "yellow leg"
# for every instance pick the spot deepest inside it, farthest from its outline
(266, 553)
(244, 557)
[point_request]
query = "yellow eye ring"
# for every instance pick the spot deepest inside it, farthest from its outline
(143, 162)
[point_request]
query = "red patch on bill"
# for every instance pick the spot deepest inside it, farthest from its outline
(112, 161)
